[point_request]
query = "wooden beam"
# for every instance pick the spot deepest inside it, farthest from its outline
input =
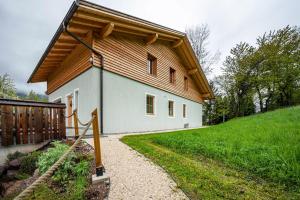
(107, 30)
(58, 51)
(205, 95)
(192, 71)
(68, 41)
(86, 22)
(151, 38)
(177, 43)
(63, 46)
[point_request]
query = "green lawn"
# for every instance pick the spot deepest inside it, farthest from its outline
(256, 157)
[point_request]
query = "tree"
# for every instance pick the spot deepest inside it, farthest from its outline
(7, 87)
(238, 72)
(33, 96)
(198, 36)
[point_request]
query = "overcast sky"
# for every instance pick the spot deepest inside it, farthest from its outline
(28, 26)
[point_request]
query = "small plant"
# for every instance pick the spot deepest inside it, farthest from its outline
(82, 168)
(15, 155)
(47, 159)
(22, 176)
(29, 162)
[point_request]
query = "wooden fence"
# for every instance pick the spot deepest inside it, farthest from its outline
(29, 122)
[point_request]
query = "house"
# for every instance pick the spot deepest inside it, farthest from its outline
(140, 75)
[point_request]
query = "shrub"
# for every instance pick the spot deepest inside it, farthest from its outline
(69, 169)
(82, 168)
(29, 163)
(48, 158)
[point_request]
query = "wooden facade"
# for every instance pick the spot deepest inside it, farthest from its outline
(124, 41)
(127, 55)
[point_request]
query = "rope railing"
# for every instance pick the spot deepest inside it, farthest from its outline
(94, 120)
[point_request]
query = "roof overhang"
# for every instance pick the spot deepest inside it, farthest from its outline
(84, 16)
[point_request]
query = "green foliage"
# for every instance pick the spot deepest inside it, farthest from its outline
(33, 96)
(29, 162)
(266, 76)
(82, 168)
(69, 169)
(48, 158)
(76, 190)
(223, 159)
(15, 155)
(7, 87)
(44, 192)
(22, 176)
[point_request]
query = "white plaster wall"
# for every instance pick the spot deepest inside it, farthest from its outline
(88, 84)
(125, 103)
(125, 107)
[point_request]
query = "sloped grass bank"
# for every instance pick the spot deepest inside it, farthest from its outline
(251, 157)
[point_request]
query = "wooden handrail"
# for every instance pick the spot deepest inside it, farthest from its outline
(13, 102)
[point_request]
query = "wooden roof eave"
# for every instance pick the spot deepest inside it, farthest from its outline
(57, 34)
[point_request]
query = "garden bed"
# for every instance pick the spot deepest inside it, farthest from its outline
(71, 181)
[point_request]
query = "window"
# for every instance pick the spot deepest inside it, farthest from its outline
(172, 75)
(171, 108)
(186, 84)
(152, 65)
(184, 111)
(76, 99)
(150, 104)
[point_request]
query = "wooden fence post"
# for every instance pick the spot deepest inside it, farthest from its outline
(75, 117)
(99, 166)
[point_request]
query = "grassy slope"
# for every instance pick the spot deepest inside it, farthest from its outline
(251, 157)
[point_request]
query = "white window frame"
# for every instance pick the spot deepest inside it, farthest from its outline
(174, 108)
(154, 104)
(74, 99)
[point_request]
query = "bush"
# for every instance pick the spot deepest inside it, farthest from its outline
(29, 163)
(15, 155)
(48, 158)
(71, 168)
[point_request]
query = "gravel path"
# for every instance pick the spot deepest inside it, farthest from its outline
(132, 175)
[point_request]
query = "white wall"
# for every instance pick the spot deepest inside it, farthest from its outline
(125, 107)
(125, 103)
(87, 84)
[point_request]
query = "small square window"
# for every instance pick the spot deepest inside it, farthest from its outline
(171, 108)
(150, 104)
(152, 65)
(172, 75)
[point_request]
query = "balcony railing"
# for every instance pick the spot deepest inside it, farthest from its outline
(29, 122)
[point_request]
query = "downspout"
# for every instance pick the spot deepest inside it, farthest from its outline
(101, 69)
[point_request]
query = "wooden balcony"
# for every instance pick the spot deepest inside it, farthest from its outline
(29, 122)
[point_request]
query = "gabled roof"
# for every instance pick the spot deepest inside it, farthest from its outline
(84, 16)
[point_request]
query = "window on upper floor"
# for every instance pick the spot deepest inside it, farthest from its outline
(152, 65)
(186, 84)
(172, 75)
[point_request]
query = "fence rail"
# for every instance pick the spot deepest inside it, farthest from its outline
(29, 122)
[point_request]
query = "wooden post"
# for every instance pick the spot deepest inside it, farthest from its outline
(99, 166)
(75, 117)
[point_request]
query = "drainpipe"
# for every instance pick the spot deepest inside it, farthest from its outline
(101, 69)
